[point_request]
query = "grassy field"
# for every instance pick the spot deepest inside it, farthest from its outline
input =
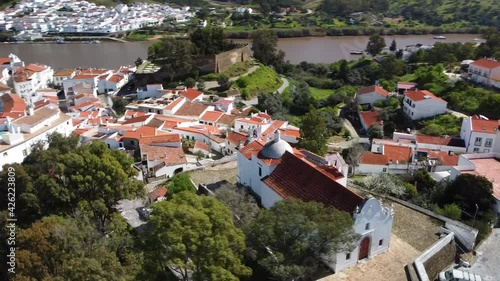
(320, 94)
(236, 69)
(263, 80)
(138, 37)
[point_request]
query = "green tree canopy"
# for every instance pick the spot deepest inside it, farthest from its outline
(468, 190)
(313, 132)
(179, 183)
(386, 184)
(289, 239)
(264, 47)
(174, 55)
(195, 234)
(240, 202)
(375, 44)
(57, 248)
(375, 132)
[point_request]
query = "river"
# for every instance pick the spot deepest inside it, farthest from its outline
(114, 54)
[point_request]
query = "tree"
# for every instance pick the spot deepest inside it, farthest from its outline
(375, 44)
(393, 46)
(291, 238)
(119, 105)
(195, 234)
(138, 61)
(467, 191)
(240, 202)
(391, 67)
(375, 132)
(302, 100)
(201, 85)
(224, 82)
(450, 210)
(264, 46)
(273, 103)
(313, 132)
(57, 248)
(190, 83)
(423, 181)
(179, 183)
(352, 155)
(209, 40)
(386, 184)
(174, 55)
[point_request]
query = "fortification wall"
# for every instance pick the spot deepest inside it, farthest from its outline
(224, 61)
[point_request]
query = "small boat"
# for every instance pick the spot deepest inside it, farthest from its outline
(356, 52)
(440, 37)
(60, 41)
(94, 41)
(476, 39)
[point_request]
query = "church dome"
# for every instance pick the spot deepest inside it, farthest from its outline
(276, 148)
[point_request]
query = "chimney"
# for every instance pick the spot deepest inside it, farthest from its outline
(277, 136)
(31, 111)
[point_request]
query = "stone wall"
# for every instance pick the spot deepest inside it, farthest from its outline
(224, 61)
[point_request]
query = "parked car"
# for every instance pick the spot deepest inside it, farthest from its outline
(144, 213)
(458, 275)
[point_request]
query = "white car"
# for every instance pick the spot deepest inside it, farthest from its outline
(458, 275)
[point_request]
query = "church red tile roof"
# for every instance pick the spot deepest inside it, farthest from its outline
(294, 178)
(235, 137)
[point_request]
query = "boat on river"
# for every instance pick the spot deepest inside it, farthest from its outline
(356, 52)
(439, 37)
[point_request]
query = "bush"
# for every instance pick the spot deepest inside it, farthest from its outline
(451, 211)
(410, 190)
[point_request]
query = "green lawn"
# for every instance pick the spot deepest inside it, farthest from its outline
(320, 94)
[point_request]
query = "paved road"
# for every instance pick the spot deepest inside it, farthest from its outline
(488, 262)
(354, 134)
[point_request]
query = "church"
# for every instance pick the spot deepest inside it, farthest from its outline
(274, 170)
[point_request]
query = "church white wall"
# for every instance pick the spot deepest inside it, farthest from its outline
(269, 197)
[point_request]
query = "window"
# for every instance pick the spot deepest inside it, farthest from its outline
(260, 171)
(384, 170)
(488, 142)
(121, 144)
(241, 127)
(381, 242)
(486, 151)
(476, 149)
(478, 141)
(367, 226)
(5, 154)
(132, 142)
(412, 114)
(348, 256)
(25, 152)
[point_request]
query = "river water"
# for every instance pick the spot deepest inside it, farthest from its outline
(114, 54)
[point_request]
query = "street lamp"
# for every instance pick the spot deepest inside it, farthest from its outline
(475, 214)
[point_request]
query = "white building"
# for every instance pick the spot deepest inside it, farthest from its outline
(481, 164)
(19, 136)
(62, 75)
(423, 104)
(486, 72)
(275, 171)
(480, 134)
(30, 78)
(163, 161)
(369, 95)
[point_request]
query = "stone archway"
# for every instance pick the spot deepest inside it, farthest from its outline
(364, 248)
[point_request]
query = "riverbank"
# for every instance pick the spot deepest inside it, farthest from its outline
(353, 31)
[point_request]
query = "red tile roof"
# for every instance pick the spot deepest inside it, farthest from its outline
(422, 95)
(166, 138)
(115, 79)
(157, 193)
(444, 158)
(175, 102)
(373, 158)
(294, 178)
(84, 76)
(227, 119)
(4, 87)
(276, 124)
(4, 61)
(235, 137)
(190, 94)
(252, 148)
(143, 131)
(201, 145)
(12, 103)
(224, 101)
(406, 85)
(371, 89)
(290, 133)
(486, 63)
(488, 168)
(64, 72)
(137, 119)
(484, 126)
(392, 154)
(191, 109)
(168, 155)
(440, 140)
(370, 118)
(211, 116)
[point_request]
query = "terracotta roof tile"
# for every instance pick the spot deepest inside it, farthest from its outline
(373, 158)
(422, 95)
(64, 72)
(175, 102)
(12, 103)
(137, 119)
(484, 126)
(191, 109)
(157, 123)
(440, 141)
(115, 79)
(235, 137)
(157, 193)
(143, 131)
(227, 119)
(371, 89)
(290, 133)
(201, 145)
(211, 116)
(190, 94)
(4, 87)
(166, 138)
(370, 118)
(40, 115)
(486, 63)
(253, 148)
(295, 178)
(4, 61)
(276, 124)
(168, 155)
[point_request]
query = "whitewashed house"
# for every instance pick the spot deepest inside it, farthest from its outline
(486, 72)
(61, 75)
(275, 171)
(162, 161)
(369, 95)
(423, 104)
(480, 134)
